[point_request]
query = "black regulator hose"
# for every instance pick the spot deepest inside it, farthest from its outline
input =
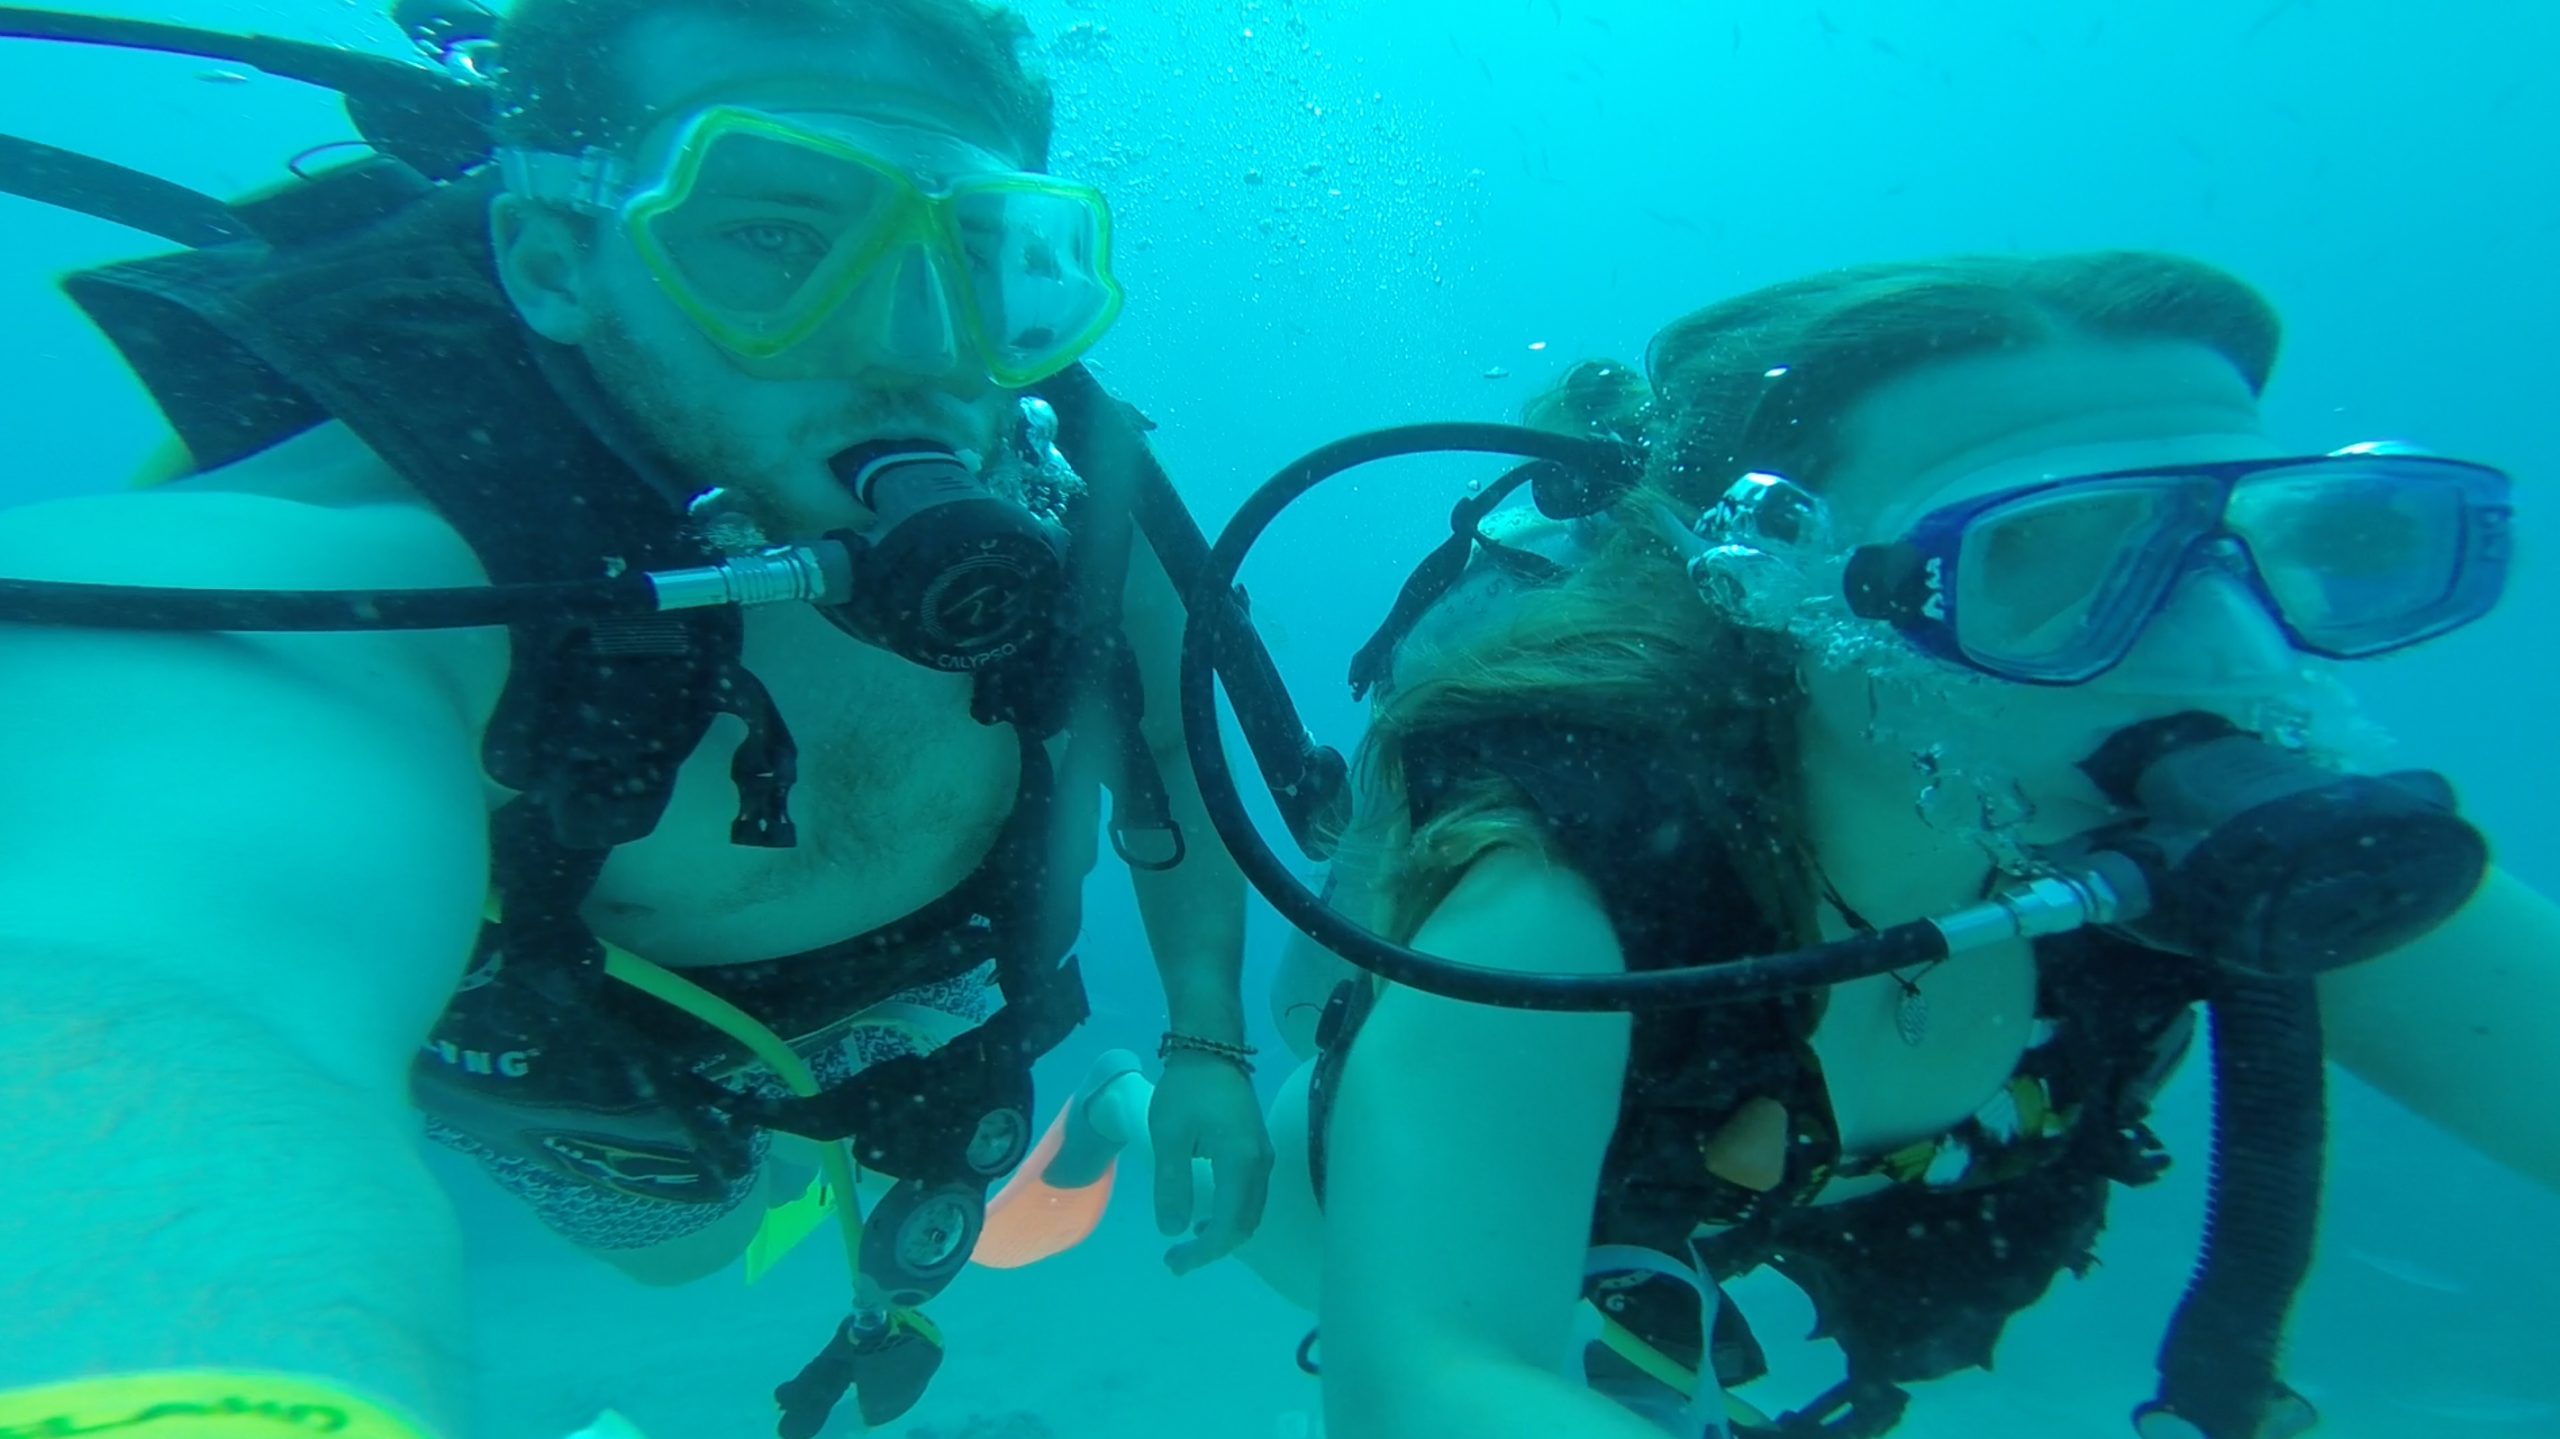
(1210, 604)
(149, 607)
(2218, 1362)
(820, 573)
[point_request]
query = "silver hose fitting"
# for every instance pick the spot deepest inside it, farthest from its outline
(2101, 887)
(816, 573)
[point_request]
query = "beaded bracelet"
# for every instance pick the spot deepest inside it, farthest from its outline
(1239, 1055)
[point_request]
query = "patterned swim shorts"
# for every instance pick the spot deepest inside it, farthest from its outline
(598, 1215)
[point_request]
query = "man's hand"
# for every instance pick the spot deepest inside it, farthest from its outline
(1205, 1108)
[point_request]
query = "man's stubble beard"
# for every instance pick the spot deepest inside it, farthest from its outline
(703, 448)
(694, 448)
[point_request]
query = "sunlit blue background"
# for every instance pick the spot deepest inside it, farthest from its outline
(1337, 214)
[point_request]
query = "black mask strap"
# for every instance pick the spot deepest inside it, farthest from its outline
(1441, 570)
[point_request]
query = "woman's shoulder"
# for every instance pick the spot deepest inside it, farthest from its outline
(1517, 907)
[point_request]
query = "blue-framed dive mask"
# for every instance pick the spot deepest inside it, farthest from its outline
(2353, 554)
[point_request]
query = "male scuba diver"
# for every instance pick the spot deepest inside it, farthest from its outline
(761, 300)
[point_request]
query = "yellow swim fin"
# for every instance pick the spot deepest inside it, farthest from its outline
(786, 1225)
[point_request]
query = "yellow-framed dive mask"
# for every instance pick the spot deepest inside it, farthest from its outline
(818, 244)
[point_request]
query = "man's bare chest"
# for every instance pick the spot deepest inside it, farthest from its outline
(899, 794)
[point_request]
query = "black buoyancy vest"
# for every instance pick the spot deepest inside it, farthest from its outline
(1914, 1283)
(398, 330)
(394, 325)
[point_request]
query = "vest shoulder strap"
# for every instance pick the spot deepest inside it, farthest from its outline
(397, 328)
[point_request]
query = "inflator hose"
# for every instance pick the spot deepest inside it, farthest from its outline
(2262, 1209)
(432, 119)
(1308, 781)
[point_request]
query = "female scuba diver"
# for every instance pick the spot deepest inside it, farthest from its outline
(1933, 569)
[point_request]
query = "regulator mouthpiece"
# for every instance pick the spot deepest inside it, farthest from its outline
(952, 577)
(2259, 859)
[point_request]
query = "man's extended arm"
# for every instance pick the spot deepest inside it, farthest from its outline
(1194, 917)
(243, 875)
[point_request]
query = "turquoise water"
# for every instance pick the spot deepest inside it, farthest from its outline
(1339, 214)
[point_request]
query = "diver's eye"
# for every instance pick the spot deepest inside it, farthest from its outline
(983, 245)
(780, 240)
(993, 251)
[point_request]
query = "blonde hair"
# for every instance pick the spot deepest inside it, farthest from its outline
(1618, 645)
(1764, 381)
(1759, 382)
